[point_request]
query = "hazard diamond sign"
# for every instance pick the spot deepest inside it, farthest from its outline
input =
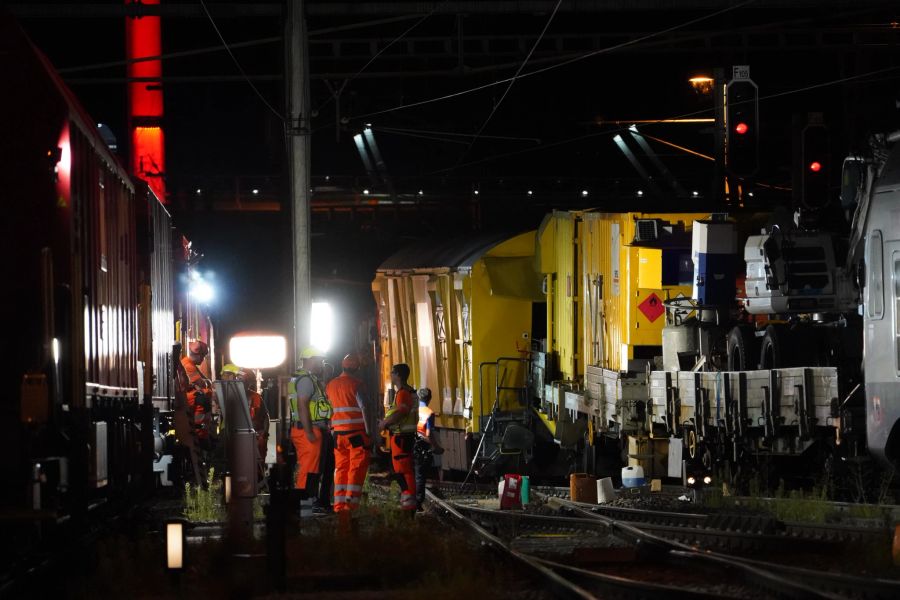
(652, 307)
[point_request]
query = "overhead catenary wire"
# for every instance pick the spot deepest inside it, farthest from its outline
(233, 45)
(511, 83)
(168, 55)
(420, 136)
(578, 58)
(662, 121)
(238, 64)
(379, 53)
(459, 134)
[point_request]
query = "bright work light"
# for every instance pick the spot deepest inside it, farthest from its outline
(257, 351)
(322, 330)
(202, 291)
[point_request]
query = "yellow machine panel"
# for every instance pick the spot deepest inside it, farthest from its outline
(558, 251)
(606, 278)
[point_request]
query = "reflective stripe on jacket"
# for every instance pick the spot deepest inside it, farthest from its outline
(405, 403)
(344, 393)
(319, 408)
(425, 413)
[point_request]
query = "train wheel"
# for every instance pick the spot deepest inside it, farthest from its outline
(691, 443)
(742, 349)
(776, 350)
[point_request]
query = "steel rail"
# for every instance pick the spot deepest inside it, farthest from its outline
(640, 588)
(566, 588)
(763, 525)
(814, 580)
(754, 574)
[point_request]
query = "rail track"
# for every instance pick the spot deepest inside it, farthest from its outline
(565, 581)
(847, 585)
(655, 554)
(653, 571)
(729, 530)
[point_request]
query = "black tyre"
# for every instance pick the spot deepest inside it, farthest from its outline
(742, 349)
(776, 350)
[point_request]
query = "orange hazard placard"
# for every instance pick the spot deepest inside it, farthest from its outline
(652, 307)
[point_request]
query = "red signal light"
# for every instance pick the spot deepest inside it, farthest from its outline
(741, 128)
(815, 166)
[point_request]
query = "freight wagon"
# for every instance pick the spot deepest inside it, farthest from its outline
(92, 300)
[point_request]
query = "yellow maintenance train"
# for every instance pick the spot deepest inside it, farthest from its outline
(536, 344)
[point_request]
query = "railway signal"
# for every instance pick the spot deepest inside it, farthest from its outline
(741, 124)
(814, 163)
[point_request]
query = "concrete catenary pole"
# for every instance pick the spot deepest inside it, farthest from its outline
(298, 105)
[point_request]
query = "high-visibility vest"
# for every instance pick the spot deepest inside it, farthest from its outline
(195, 375)
(319, 408)
(342, 392)
(404, 399)
(425, 413)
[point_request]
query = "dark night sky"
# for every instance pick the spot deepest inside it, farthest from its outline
(221, 133)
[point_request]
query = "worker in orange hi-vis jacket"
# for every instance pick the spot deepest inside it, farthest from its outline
(401, 419)
(352, 442)
(199, 393)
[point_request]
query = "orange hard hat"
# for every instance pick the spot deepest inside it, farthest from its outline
(350, 362)
(199, 347)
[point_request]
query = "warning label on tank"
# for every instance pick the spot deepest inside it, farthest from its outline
(652, 307)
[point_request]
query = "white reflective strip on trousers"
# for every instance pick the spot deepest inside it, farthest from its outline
(353, 487)
(336, 422)
(351, 499)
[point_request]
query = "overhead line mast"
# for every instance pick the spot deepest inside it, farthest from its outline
(298, 135)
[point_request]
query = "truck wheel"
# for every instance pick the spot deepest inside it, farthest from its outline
(776, 350)
(742, 349)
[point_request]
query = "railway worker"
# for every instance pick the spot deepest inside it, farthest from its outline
(401, 419)
(199, 393)
(426, 445)
(310, 416)
(351, 436)
(259, 415)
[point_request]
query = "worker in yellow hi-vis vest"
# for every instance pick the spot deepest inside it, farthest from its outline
(310, 416)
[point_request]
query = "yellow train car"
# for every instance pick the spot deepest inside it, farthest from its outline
(537, 344)
(606, 278)
(631, 264)
(460, 315)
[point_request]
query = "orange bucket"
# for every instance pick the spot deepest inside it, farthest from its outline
(583, 488)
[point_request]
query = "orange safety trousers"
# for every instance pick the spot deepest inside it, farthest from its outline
(200, 416)
(351, 463)
(404, 468)
(309, 454)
